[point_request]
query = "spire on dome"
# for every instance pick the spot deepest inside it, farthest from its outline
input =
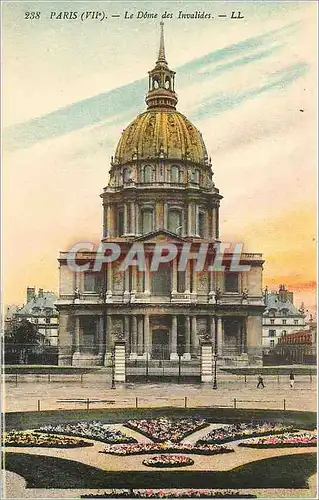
(161, 52)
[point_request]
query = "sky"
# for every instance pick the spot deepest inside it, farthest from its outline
(70, 86)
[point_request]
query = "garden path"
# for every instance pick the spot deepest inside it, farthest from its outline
(227, 461)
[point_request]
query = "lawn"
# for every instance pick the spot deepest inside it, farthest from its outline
(288, 471)
(31, 420)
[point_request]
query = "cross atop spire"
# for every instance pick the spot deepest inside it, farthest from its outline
(161, 52)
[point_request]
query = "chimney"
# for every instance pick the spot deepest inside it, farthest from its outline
(40, 294)
(282, 293)
(30, 293)
(290, 296)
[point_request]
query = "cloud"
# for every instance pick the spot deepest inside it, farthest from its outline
(123, 103)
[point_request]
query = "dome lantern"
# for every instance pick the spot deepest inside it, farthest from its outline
(161, 91)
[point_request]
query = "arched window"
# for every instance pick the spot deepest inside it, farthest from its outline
(147, 177)
(174, 173)
(196, 176)
(147, 220)
(120, 221)
(155, 83)
(174, 221)
(167, 83)
(201, 224)
(126, 175)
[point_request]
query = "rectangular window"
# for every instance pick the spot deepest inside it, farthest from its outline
(272, 343)
(181, 281)
(161, 281)
(272, 321)
(201, 224)
(296, 321)
(272, 333)
(48, 321)
(284, 321)
(92, 282)
(231, 282)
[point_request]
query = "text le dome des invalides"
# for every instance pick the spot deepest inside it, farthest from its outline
(160, 190)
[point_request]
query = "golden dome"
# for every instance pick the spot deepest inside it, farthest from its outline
(161, 132)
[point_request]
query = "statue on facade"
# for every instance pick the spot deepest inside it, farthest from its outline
(218, 295)
(102, 293)
(244, 295)
(77, 294)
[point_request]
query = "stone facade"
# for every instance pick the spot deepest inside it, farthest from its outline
(160, 189)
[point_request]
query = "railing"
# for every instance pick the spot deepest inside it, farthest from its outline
(41, 404)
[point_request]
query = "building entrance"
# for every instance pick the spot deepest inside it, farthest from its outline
(160, 344)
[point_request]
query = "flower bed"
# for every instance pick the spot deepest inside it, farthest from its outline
(168, 447)
(243, 431)
(287, 440)
(169, 493)
(90, 430)
(31, 438)
(171, 461)
(164, 429)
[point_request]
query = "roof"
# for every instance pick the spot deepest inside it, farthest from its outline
(40, 305)
(279, 306)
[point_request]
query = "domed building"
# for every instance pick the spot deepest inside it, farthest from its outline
(160, 189)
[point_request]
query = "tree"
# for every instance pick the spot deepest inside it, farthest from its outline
(24, 338)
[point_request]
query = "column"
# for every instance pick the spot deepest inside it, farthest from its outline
(109, 279)
(77, 335)
(133, 218)
(165, 216)
(196, 229)
(147, 276)
(194, 336)
(65, 341)
(133, 353)
(220, 335)
(147, 340)
(213, 227)
(189, 220)
(187, 278)
(133, 280)
(244, 336)
(194, 274)
(100, 334)
(108, 221)
(127, 283)
(173, 347)
(140, 343)
(137, 219)
(127, 327)
(217, 222)
(174, 276)
(125, 219)
(187, 354)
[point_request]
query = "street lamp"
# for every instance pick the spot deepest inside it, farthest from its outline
(180, 353)
(215, 356)
(146, 366)
(215, 371)
(113, 368)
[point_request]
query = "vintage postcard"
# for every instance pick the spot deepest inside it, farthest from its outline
(159, 309)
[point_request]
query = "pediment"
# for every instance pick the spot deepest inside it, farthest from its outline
(161, 236)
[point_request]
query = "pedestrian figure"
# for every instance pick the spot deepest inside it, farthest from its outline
(292, 379)
(260, 382)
